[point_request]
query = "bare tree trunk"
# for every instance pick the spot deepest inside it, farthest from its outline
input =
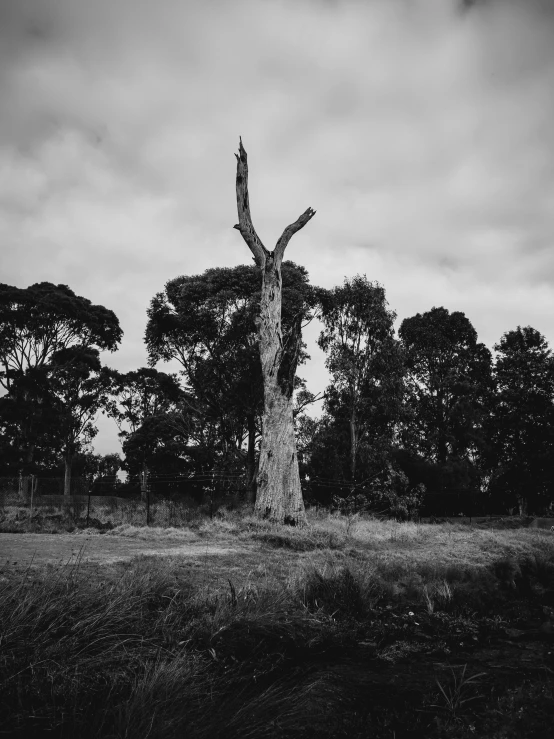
(67, 477)
(353, 445)
(279, 495)
(522, 505)
(353, 449)
(144, 482)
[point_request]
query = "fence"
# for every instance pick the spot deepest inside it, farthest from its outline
(164, 500)
(173, 500)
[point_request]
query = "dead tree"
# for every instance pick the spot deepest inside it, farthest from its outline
(279, 495)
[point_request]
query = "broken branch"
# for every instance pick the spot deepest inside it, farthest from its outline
(245, 225)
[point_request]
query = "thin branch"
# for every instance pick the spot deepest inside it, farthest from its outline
(245, 225)
(289, 232)
(309, 320)
(300, 407)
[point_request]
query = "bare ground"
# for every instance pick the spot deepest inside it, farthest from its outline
(24, 550)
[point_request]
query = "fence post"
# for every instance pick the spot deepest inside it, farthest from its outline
(212, 496)
(144, 492)
(144, 483)
(23, 487)
(88, 502)
(32, 495)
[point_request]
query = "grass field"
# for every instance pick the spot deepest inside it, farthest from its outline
(349, 628)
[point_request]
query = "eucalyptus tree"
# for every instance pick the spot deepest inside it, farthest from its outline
(28, 425)
(36, 323)
(366, 365)
(521, 428)
(449, 385)
(279, 495)
(40, 320)
(80, 390)
(140, 400)
(206, 323)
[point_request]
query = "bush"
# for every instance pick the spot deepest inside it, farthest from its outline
(390, 494)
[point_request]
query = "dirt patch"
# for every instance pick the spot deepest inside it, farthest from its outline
(23, 550)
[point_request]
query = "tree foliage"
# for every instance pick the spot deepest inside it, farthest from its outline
(80, 389)
(43, 319)
(145, 403)
(521, 426)
(43, 329)
(403, 420)
(448, 390)
(364, 359)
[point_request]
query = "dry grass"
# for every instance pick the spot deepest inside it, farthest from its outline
(151, 533)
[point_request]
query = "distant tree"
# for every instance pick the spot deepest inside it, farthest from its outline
(162, 445)
(95, 466)
(365, 361)
(136, 398)
(449, 385)
(36, 323)
(80, 390)
(522, 423)
(141, 394)
(43, 319)
(206, 323)
(28, 438)
(108, 465)
(98, 470)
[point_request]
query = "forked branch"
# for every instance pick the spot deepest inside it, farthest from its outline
(245, 225)
(289, 232)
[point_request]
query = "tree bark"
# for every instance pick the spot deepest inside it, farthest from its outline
(251, 460)
(67, 476)
(353, 447)
(279, 495)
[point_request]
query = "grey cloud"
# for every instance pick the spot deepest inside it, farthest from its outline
(420, 135)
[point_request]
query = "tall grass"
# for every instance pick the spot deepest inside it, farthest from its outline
(151, 654)
(147, 655)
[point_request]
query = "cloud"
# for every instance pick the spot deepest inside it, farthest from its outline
(420, 134)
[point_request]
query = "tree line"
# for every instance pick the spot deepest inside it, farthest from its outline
(425, 418)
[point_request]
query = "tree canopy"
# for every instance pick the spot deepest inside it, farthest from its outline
(430, 411)
(38, 321)
(521, 426)
(365, 363)
(448, 381)
(47, 334)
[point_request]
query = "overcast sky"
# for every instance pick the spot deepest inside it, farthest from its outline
(422, 135)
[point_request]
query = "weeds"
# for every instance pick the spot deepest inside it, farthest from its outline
(437, 595)
(457, 694)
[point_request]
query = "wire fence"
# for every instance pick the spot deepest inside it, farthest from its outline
(176, 500)
(161, 500)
